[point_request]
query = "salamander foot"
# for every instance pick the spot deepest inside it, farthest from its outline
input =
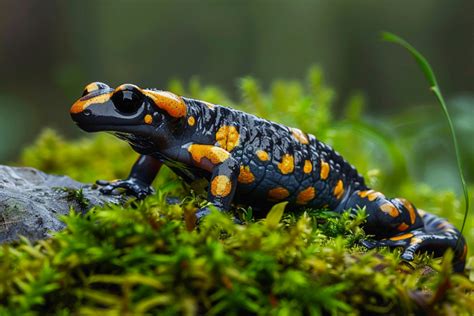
(420, 240)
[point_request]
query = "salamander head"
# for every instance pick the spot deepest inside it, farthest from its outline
(125, 109)
(142, 117)
(104, 109)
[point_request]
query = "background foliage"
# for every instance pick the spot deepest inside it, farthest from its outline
(144, 258)
(49, 50)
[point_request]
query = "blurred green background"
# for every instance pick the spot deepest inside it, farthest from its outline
(50, 49)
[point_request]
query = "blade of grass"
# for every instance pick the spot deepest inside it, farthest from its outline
(430, 76)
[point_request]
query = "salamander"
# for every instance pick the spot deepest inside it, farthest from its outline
(249, 160)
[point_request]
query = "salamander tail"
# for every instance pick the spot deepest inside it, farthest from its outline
(445, 235)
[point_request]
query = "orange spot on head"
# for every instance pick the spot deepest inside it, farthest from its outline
(339, 189)
(308, 166)
(262, 155)
(214, 154)
(91, 87)
(84, 102)
(401, 237)
(127, 86)
(167, 101)
(402, 227)
(228, 137)
(148, 119)
(306, 195)
(390, 209)
(221, 186)
(245, 176)
(324, 173)
(287, 164)
(191, 121)
(278, 194)
(299, 135)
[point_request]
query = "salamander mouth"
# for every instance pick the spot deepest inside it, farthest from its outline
(108, 127)
(135, 135)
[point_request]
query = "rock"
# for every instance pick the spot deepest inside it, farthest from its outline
(31, 202)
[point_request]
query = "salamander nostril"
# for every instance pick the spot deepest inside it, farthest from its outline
(87, 112)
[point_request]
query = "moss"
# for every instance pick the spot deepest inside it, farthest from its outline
(143, 259)
(76, 195)
(146, 258)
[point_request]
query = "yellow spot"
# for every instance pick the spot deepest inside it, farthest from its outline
(401, 237)
(221, 186)
(148, 119)
(308, 166)
(390, 209)
(339, 189)
(214, 154)
(191, 121)
(363, 194)
(91, 87)
(421, 212)
(81, 104)
(299, 135)
(411, 210)
(415, 241)
(262, 155)
(278, 193)
(168, 102)
(228, 137)
(402, 227)
(372, 196)
(287, 164)
(246, 176)
(324, 170)
(306, 195)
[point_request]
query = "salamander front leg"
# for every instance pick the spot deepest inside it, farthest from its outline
(221, 187)
(139, 180)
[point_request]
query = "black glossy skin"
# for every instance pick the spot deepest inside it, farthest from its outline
(199, 140)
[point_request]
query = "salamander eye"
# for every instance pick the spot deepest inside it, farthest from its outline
(94, 86)
(127, 101)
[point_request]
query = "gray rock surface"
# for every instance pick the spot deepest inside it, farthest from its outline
(31, 202)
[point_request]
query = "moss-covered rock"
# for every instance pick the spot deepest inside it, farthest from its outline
(31, 202)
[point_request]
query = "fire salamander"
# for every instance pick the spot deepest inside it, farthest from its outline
(250, 160)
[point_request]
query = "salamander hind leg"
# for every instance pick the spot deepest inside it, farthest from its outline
(398, 223)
